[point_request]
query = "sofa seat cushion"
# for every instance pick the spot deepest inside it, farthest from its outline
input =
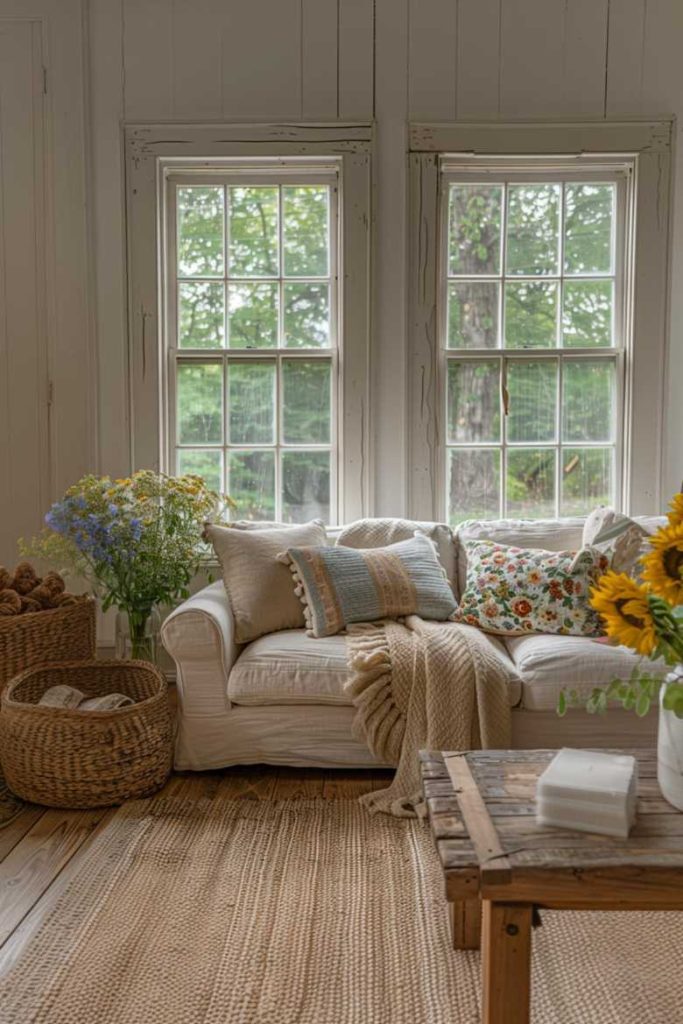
(547, 664)
(290, 667)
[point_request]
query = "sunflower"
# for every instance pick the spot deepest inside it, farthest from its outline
(663, 566)
(675, 514)
(623, 606)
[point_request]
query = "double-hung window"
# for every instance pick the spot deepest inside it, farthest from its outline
(251, 308)
(533, 280)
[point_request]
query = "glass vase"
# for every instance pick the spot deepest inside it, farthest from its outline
(137, 634)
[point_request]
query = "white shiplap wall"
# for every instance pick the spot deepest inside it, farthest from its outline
(391, 60)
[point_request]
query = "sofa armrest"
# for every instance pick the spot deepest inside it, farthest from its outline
(199, 637)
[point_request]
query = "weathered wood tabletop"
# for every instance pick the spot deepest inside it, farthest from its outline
(500, 866)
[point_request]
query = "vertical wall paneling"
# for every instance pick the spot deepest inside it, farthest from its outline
(196, 42)
(584, 53)
(148, 59)
(478, 58)
(532, 38)
(262, 60)
(356, 55)
(432, 59)
(106, 112)
(23, 346)
(319, 60)
(389, 351)
(625, 57)
(662, 84)
(73, 418)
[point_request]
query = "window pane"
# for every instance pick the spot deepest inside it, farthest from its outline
(530, 314)
(588, 212)
(200, 231)
(588, 400)
(473, 314)
(200, 314)
(307, 315)
(251, 483)
(306, 416)
(251, 398)
(532, 229)
(306, 216)
(530, 484)
(473, 401)
(200, 403)
(587, 314)
(253, 231)
(253, 315)
(586, 480)
(305, 486)
(532, 391)
(474, 229)
(206, 464)
(473, 484)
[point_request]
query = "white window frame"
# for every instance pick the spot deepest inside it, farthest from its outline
(224, 173)
(645, 147)
(155, 152)
(533, 170)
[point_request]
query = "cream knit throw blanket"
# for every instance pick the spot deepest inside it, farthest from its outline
(434, 685)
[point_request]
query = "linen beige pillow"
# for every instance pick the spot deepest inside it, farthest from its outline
(259, 588)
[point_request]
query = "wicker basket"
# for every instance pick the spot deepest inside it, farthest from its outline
(72, 758)
(61, 634)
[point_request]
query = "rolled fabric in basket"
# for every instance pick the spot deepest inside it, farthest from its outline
(61, 696)
(109, 702)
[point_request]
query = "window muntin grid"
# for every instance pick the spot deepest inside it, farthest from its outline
(489, 458)
(285, 359)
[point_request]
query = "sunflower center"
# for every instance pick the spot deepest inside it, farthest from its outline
(632, 620)
(672, 561)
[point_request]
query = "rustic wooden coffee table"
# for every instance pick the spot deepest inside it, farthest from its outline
(500, 867)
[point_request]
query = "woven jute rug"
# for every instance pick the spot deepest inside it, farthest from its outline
(303, 912)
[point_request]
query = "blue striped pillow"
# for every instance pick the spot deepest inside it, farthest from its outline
(341, 585)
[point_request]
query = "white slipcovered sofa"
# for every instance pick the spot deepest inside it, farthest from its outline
(281, 699)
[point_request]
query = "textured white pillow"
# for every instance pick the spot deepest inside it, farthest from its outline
(259, 588)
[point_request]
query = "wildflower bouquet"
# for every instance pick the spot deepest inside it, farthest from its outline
(137, 540)
(647, 616)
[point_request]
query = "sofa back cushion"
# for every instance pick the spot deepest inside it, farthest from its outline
(259, 587)
(342, 585)
(380, 533)
(544, 534)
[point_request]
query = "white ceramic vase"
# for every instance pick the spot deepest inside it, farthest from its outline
(670, 748)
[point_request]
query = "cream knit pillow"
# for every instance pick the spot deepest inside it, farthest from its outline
(259, 588)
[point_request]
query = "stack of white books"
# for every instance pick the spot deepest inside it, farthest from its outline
(590, 791)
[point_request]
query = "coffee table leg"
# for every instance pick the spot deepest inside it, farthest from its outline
(506, 963)
(465, 921)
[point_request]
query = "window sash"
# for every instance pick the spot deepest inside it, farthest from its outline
(299, 172)
(532, 171)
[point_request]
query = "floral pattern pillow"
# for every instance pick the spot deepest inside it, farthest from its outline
(513, 591)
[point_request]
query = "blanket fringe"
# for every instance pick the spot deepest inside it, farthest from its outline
(378, 722)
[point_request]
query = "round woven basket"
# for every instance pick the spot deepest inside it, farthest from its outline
(70, 758)
(60, 634)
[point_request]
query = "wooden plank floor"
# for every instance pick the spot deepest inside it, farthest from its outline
(41, 848)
